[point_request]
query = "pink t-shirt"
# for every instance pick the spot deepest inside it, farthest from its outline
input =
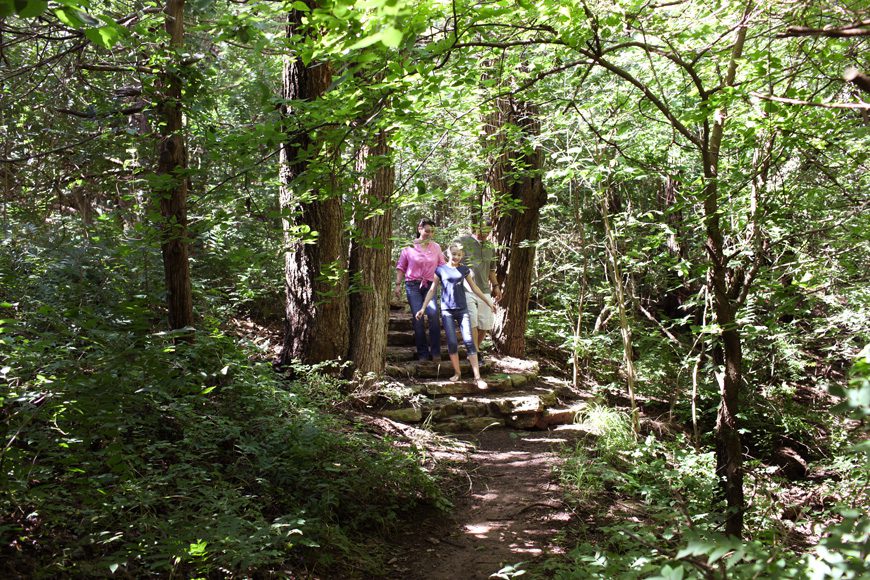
(419, 263)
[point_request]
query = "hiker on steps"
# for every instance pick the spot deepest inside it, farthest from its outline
(416, 266)
(479, 257)
(454, 308)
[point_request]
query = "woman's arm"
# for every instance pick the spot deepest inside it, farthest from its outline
(400, 276)
(470, 279)
(429, 296)
(401, 267)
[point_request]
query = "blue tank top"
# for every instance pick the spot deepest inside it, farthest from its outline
(452, 291)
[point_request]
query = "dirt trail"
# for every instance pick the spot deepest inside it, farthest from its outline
(510, 513)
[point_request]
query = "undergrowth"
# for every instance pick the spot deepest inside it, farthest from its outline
(654, 511)
(128, 452)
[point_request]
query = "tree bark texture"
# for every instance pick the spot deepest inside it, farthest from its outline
(517, 194)
(316, 311)
(370, 259)
(172, 167)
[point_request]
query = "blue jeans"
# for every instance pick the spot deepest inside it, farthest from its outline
(431, 349)
(450, 318)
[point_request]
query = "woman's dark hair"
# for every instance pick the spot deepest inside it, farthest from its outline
(421, 224)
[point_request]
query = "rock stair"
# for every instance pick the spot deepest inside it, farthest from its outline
(516, 395)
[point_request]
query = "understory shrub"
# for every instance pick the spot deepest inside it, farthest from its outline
(126, 450)
(657, 513)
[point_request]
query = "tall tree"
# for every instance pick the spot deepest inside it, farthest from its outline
(172, 183)
(729, 283)
(315, 259)
(370, 257)
(516, 194)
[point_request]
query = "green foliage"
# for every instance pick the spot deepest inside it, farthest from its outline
(126, 450)
(856, 395)
(105, 415)
(656, 516)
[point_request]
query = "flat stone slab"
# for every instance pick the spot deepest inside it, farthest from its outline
(526, 421)
(466, 424)
(405, 415)
(563, 415)
(442, 369)
(509, 364)
(493, 404)
(401, 321)
(408, 353)
(400, 339)
(497, 383)
(438, 370)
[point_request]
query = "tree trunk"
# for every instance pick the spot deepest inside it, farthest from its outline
(172, 167)
(583, 284)
(517, 197)
(729, 449)
(316, 311)
(370, 259)
(619, 298)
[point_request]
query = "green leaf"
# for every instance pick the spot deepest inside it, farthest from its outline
(366, 41)
(75, 18)
(717, 553)
(104, 36)
(31, 8)
(391, 37)
(7, 8)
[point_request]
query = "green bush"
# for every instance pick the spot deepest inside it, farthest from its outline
(126, 450)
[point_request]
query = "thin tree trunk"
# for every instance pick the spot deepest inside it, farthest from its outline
(729, 449)
(581, 295)
(370, 259)
(172, 166)
(619, 296)
(316, 309)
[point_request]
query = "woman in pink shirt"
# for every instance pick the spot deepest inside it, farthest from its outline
(416, 266)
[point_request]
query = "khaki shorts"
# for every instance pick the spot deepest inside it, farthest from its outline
(479, 312)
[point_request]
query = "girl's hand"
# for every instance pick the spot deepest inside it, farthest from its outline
(396, 292)
(420, 313)
(492, 307)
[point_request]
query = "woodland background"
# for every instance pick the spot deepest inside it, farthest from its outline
(195, 191)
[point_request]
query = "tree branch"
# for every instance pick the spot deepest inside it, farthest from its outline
(864, 106)
(852, 30)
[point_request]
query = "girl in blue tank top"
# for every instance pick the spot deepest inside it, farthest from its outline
(449, 277)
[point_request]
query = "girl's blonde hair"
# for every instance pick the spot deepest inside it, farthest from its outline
(453, 248)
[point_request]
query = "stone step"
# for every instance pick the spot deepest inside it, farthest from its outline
(525, 409)
(404, 337)
(404, 324)
(401, 323)
(400, 339)
(462, 422)
(495, 383)
(431, 369)
(465, 386)
(401, 354)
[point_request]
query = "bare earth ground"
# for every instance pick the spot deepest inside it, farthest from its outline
(510, 512)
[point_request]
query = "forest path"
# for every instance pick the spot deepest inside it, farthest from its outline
(510, 512)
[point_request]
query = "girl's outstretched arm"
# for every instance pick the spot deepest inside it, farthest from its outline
(429, 296)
